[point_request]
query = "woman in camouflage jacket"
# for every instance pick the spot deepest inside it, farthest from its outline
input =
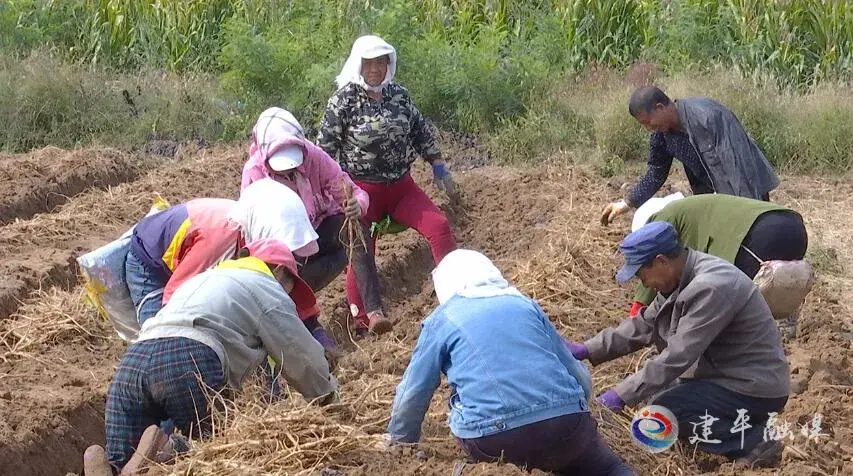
(369, 125)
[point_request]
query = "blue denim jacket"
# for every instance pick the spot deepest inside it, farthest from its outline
(504, 361)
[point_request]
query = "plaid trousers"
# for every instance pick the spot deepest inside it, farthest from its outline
(158, 380)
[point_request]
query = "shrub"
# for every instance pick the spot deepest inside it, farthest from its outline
(47, 102)
(810, 132)
(546, 127)
(819, 127)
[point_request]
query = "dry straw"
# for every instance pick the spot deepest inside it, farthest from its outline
(49, 318)
(289, 436)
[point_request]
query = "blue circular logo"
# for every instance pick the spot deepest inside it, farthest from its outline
(654, 428)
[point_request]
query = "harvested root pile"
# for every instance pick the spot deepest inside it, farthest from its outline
(288, 437)
(569, 271)
(285, 437)
(570, 274)
(571, 277)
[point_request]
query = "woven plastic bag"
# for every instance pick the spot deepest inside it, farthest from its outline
(784, 285)
(103, 276)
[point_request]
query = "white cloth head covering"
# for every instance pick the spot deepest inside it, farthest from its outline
(268, 209)
(367, 47)
(469, 274)
(652, 206)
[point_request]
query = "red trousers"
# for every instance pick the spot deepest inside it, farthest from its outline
(409, 206)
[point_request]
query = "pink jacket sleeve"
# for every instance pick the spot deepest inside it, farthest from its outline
(198, 253)
(251, 173)
(209, 240)
(332, 178)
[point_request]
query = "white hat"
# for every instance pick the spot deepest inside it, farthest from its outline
(268, 209)
(652, 206)
(286, 158)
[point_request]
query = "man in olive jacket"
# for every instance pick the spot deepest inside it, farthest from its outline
(718, 347)
(738, 230)
(706, 137)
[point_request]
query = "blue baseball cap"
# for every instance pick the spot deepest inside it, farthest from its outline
(641, 246)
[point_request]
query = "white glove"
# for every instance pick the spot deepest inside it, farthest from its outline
(613, 210)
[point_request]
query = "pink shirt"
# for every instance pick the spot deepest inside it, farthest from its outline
(320, 182)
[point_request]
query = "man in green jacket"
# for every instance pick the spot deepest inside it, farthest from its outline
(739, 230)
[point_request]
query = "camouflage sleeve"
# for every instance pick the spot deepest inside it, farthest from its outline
(422, 135)
(332, 126)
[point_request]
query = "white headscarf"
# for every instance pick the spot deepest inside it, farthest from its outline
(652, 206)
(268, 209)
(367, 47)
(273, 124)
(469, 274)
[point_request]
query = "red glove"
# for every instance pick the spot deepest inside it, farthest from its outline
(636, 306)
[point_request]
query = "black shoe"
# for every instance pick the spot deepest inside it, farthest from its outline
(765, 455)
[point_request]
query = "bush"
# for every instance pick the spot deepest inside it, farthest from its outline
(292, 67)
(546, 127)
(618, 134)
(819, 128)
(691, 35)
(46, 102)
(797, 132)
(497, 68)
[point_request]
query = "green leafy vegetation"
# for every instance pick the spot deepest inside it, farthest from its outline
(530, 78)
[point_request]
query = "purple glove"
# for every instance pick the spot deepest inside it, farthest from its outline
(579, 351)
(330, 349)
(320, 336)
(611, 400)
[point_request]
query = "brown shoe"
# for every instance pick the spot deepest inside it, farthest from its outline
(95, 462)
(379, 324)
(151, 443)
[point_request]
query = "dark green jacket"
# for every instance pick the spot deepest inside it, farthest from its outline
(711, 223)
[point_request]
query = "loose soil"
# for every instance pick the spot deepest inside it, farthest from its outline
(44, 179)
(540, 225)
(41, 250)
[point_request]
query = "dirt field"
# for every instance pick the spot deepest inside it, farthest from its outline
(540, 225)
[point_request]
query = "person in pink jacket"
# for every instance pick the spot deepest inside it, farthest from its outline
(170, 247)
(279, 150)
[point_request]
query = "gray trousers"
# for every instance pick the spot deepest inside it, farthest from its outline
(322, 268)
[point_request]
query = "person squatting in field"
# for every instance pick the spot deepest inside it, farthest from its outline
(717, 153)
(217, 328)
(517, 393)
(369, 126)
(280, 151)
(174, 245)
(718, 347)
(740, 230)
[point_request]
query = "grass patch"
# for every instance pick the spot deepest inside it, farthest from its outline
(48, 102)
(810, 132)
(824, 259)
